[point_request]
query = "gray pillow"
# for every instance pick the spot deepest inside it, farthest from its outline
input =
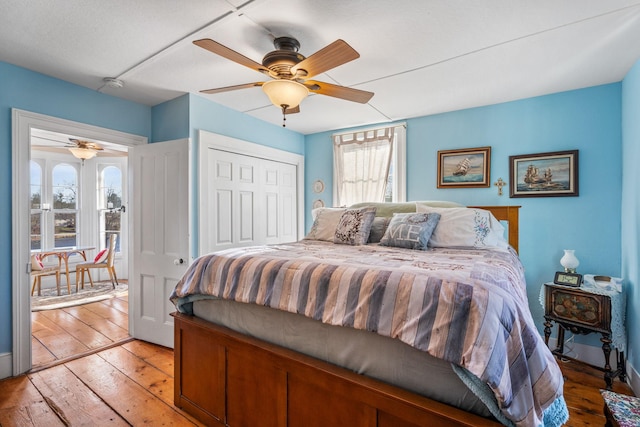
(410, 230)
(379, 226)
(354, 226)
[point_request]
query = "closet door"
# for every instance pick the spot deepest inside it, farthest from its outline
(250, 200)
(245, 201)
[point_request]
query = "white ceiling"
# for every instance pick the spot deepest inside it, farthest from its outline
(419, 57)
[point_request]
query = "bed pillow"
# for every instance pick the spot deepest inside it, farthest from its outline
(378, 228)
(325, 221)
(387, 209)
(465, 227)
(410, 230)
(354, 226)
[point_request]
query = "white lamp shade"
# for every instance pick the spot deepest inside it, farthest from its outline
(285, 92)
(83, 153)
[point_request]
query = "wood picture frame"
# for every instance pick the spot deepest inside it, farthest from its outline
(464, 168)
(553, 174)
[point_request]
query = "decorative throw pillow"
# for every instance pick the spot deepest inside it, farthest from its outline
(378, 228)
(466, 227)
(325, 221)
(36, 263)
(102, 256)
(410, 230)
(354, 226)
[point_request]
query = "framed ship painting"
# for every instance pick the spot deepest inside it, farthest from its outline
(464, 168)
(544, 174)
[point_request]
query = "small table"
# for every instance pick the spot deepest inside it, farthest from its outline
(63, 255)
(584, 310)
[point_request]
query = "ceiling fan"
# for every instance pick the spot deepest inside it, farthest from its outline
(291, 72)
(83, 149)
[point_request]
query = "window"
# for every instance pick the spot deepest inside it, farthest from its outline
(65, 205)
(369, 166)
(53, 204)
(35, 205)
(110, 204)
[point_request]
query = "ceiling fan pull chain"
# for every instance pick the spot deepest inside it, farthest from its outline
(284, 115)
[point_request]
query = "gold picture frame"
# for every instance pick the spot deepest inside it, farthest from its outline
(553, 174)
(464, 168)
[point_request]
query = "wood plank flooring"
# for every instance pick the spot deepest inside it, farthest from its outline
(66, 332)
(132, 383)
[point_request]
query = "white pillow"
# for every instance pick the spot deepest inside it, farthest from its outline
(325, 222)
(465, 227)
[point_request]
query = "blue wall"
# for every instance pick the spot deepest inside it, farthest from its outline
(213, 117)
(587, 120)
(175, 119)
(631, 207)
(26, 90)
(184, 116)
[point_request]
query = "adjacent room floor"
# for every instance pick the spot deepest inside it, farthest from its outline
(67, 332)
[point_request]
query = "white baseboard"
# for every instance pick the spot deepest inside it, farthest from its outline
(594, 356)
(6, 365)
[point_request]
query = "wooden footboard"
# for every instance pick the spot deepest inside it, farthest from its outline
(224, 378)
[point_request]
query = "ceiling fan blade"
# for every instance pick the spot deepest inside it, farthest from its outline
(293, 110)
(225, 52)
(336, 91)
(337, 53)
(230, 88)
(85, 144)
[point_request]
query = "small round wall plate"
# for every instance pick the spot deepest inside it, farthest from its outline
(318, 204)
(318, 186)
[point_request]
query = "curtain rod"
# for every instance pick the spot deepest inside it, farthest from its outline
(403, 124)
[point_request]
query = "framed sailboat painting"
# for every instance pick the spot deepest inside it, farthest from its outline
(464, 168)
(544, 174)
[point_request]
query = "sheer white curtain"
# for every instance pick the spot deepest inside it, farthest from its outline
(361, 165)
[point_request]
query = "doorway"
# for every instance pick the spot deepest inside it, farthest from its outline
(76, 204)
(26, 126)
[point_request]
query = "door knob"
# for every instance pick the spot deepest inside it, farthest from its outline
(178, 261)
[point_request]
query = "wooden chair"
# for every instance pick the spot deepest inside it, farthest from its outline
(108, 264)
(38, 270)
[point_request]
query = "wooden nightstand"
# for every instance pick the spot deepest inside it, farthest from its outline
(582, 311)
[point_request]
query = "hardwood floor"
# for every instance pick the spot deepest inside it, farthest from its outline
(67, 332)
(132, 383)
(582, 394)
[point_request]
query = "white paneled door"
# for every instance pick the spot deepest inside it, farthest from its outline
(246, 200)
(160, 240)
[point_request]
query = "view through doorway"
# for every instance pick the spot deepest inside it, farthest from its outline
(76, 203)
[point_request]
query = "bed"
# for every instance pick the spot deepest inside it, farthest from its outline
(316, 333)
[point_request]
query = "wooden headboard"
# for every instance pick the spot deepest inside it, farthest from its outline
(510, 214)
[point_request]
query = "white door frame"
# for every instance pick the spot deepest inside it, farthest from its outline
(22, 123)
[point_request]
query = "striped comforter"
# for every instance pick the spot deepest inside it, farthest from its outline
(468, 307)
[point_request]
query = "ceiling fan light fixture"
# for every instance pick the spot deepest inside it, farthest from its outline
(83, 152)
(285, 92)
